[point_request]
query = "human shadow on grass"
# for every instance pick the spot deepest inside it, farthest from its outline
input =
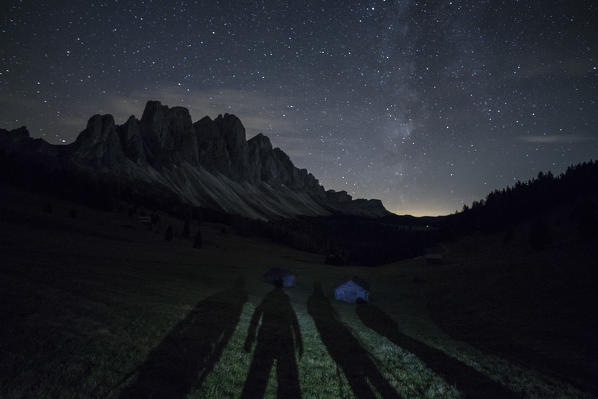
(181, 362)
(278, 339)
(469, 381)
(355, 361)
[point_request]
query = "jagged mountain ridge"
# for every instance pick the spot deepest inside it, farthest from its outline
(208, 163)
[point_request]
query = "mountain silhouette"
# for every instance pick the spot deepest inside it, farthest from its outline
(209, 164)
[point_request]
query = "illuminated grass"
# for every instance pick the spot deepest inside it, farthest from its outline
(227, 378)
(318, 376)
(405, 371)
(529, 383)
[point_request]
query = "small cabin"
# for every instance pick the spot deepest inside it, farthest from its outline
(434, 256)
(285, 276)
(433, 259)
(350, 290)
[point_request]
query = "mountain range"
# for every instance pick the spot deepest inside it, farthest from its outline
(208, 164)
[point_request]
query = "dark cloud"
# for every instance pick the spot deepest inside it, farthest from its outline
(556, 139)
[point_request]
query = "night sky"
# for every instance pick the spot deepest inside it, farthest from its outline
(425, 105)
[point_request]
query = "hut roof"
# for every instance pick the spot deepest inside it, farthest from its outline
(357, 280)
(277, 275)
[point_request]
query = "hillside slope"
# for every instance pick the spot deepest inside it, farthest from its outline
(207, 164)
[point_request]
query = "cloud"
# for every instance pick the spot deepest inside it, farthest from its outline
(277, 116)
(257, 111)
(555, 139)
(533, 68)
(267, 111)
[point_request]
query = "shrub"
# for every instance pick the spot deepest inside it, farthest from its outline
(186, 233)
(168, 235)
(48, 208)
(336, 257)
(588, 226)
(197, 241)
(584, 214)
(539, 235)
(508, 237)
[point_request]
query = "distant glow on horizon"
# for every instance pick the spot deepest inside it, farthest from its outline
(421, 212)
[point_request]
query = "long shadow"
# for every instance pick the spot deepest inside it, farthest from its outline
(188, 353)
(355, 361)
(470, 382)
(277, 339)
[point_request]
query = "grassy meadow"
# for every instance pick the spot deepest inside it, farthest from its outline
(95, 306)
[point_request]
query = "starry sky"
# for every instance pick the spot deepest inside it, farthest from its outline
(425, 105)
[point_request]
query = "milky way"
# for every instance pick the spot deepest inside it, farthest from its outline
(425, 105)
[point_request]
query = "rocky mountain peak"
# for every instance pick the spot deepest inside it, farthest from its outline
(20, 133)
(260, 143)
(168, 135)
(233, 132)
(131, 140)
(99, 143)
(11, 140)
(154, 111)
(207, 163)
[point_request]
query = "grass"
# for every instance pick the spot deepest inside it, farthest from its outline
(319, 376)
(85, 301)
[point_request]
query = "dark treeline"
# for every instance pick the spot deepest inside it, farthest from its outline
(502, 209)
(349, 239)
(366, 241)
